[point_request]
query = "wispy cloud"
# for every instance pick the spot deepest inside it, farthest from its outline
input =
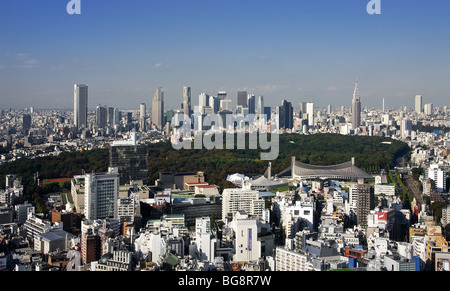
(332, 89)
(266, 88)
(24, 61)
(158, 65)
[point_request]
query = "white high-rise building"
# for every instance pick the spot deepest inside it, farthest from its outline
(143, 117)
(428, 109)
(406, 128)
(203, 101)
(247, 246)
(418, 104)
(226, 105)
(158, 108)
(204, 239)
(101, 194)
(80, 105)
(310, 112)
(245, 199)
(438, 175)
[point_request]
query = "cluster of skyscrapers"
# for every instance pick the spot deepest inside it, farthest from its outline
(221, 104)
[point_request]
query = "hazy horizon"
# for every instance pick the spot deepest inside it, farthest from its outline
(293, 50)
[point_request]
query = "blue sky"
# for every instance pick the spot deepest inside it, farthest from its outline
(298, 50)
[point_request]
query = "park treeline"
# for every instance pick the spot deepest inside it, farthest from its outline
(371, 154)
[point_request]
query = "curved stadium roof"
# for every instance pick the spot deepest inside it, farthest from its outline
(346, 171)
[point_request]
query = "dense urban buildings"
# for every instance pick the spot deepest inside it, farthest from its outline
(304, 218)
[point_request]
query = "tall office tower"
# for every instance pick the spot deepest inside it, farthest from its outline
(117, 116)
(26, 123)
(187, 106)
(80, 105)
(302, 109)
(259, 105)
(221, 95)
(242, 99)
(225, 105)
(101, 194)
(406, 128)
(428, 109)
(214, 104)
(143, 117)
(310, 112)
(158, 108)
(364, 202)
(285, 115)
(101, 116)
(203, 100)
(418, 104)
(356, 108)
(251, 101)
(111, 116)
(384, 108)
(268, 112)
(131, 158)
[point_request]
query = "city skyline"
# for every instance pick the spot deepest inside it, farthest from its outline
(294, 50)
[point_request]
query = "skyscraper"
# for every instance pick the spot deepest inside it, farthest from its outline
(142, 117)
(428, 109)
(356, 108)
(242, 98)
(111, 116)
(310, 112)
(285, 115)
(187, 107)
(222, 95)
(259, 105)
(251, 104)
(418, 104)
(158, 108)
(203, 100)
(101, 116)
(131, 158)
(364, 203)
(214, 103)
(80, 105)
(26, 123)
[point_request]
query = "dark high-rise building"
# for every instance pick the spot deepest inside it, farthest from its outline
(364, 203)
(242, 99)
(286, 115)
(111, 116)
(132, 160)
(101, 116)
(251, 104)
(26, 123)
(356, 108)
(268, 112)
